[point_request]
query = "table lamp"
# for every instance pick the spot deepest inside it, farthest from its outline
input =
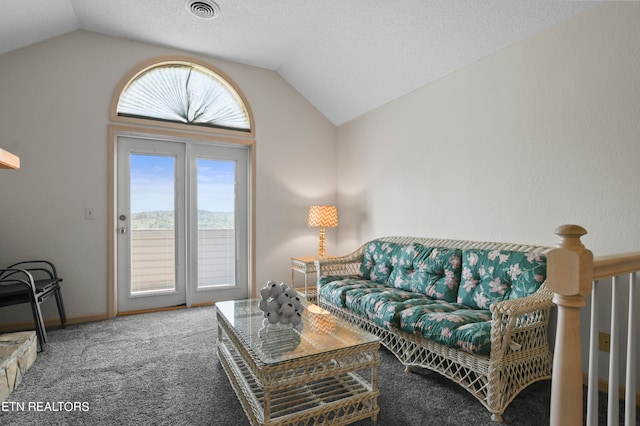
(322, 217)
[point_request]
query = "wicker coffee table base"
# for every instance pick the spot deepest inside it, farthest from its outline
(334, 388)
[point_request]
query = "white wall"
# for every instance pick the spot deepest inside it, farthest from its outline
(54, 113)
(543, 133)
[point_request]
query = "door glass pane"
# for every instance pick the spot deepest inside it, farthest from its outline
(152, 225)
(216, 185)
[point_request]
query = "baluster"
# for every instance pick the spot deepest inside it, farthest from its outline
(613, 407)
(632, 336)
(592, 390)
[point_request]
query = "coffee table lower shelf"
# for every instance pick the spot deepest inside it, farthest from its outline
(331, 400)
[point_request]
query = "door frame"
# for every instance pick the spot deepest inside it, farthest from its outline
(115, 130)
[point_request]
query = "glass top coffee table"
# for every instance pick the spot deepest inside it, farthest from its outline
(327, 373)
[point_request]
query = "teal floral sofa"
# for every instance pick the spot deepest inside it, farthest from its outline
(475, 312)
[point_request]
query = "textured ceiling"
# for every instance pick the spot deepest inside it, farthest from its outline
(346, 57)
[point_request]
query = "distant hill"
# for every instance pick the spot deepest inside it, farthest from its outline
(164, 220)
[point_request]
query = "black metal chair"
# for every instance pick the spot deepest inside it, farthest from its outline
(32, 282)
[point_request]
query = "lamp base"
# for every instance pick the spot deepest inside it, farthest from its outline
(322, 244)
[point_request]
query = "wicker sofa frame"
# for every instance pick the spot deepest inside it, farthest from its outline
(520, 353)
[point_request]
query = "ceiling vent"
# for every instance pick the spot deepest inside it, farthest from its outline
(204, 9)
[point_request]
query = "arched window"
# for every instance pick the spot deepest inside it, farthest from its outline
(184, 92)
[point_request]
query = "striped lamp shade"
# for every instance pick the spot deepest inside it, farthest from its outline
(323, 216)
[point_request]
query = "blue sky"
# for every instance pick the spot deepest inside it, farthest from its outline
(152, 183)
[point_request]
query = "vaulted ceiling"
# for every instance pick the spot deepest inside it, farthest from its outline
(346, 57)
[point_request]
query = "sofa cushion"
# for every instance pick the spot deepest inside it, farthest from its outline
(443, 270)
(431, 271)
(378, 261)
(490, 276)
(334, 289)
(381, 305)
(452, 325)
(407, 271)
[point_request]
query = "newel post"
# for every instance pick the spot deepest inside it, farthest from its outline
(569, 277)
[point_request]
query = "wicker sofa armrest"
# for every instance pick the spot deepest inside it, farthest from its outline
(348, 264)
(516, 324)
(541, 299)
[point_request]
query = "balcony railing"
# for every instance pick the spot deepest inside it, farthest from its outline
(153, 258)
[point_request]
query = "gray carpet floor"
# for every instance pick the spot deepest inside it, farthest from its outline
(162, 369)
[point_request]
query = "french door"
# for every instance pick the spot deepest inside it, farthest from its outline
(182, 222)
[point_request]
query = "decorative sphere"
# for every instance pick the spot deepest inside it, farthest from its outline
(285, 319)
(287, 309)
(291, 292)
(296, 318)
(265, 292)
(283, 298)
(273, 305)
(273, 317)
(276, 290)
(263, 305)
(297, 303)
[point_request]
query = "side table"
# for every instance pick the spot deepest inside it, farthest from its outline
(305, 265)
